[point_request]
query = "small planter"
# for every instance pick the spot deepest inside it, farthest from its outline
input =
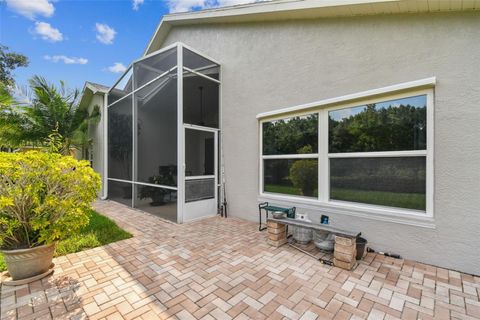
(302, 235)
(29, 263)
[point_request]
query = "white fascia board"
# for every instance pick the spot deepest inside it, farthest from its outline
(417, 84)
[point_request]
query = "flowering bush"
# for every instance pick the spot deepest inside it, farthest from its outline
(44, 197)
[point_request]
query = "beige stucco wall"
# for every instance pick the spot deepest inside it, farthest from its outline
(267, 66)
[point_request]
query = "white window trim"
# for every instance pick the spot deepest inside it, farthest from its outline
(376, 212)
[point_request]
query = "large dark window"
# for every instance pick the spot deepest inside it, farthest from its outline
(120, 140)
(394, 125)
(371, 154)
(286, 137)
(156, 106)
(296, 135)
(291, 176)
(395, 182)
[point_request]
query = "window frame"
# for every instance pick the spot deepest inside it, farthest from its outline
(323, 201)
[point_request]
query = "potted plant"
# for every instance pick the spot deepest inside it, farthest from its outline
(44, 197)
(165, 177)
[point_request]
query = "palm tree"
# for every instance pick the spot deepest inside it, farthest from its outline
(51, 109)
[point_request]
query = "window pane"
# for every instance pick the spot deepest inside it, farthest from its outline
(158, 201)
(394, 125)
(120, 192)
(150, 68)
(120, 140)
(157, 132)
(291, 176)
(200, 101)
(199, 189)
(395, 182)
(199, 153)
(200, 64)
(123, 87)
(291, 136)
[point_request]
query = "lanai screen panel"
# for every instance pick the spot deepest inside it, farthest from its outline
(142, 136)
(201, 109)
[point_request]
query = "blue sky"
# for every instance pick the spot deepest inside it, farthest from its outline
(78, 40)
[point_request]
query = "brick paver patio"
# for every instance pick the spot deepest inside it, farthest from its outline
(223, 269)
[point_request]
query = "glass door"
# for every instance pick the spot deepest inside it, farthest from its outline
(201, 176)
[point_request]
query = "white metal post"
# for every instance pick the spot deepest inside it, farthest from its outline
(134, 139)
(105, 147)
(180, 138)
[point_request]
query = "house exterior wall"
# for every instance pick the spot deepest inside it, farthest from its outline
(268, 66)
(96, 134)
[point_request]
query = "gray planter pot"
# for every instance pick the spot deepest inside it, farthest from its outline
(27, 263)
(302, 235)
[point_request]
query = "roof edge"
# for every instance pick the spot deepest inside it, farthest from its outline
(300, 9)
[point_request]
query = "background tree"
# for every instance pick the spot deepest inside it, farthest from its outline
(51, 109)
(9, 61)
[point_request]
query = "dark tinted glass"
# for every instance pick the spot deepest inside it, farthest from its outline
(120, 140)
(122, 88)
(291, 136)
(293, 177)
(394, 125)
(150, 68)
(157, 132)
(199, 153)
(158, 201)
(200, 64)
(395, 182)
(120, 192)
(200, 101)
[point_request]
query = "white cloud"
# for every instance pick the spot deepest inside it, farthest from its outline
(105, 33)
(31, 8)
(189, 5)
(136, 4)
(66, 60)
(117, 67)
(47, 32)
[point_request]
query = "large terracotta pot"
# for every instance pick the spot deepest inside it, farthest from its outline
(27, 263)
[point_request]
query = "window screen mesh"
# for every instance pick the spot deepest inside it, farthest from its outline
(200, 189)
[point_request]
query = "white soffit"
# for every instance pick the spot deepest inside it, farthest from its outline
(302, 9)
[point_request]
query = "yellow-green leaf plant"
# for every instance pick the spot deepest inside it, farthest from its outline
(44, 197)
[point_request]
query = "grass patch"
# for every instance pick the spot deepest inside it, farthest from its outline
(275, 188)
(99, 231)
(390, 199)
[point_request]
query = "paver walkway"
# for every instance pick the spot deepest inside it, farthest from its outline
(223, 269)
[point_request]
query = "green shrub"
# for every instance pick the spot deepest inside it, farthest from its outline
(44, 197)
(303, 174)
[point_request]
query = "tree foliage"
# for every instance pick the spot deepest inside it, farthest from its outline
(9, 61)
(287, 136)
(51, 109)
(44, 197)
(394, 128)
